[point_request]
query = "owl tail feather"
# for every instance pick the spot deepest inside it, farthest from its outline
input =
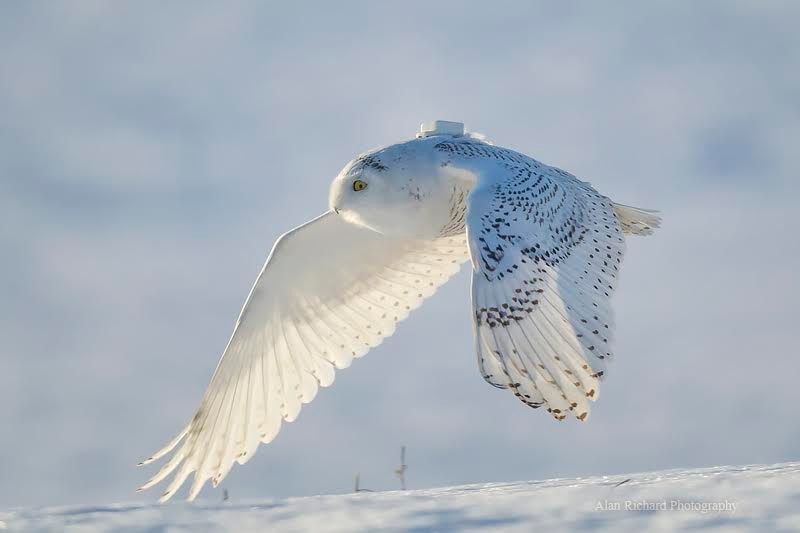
(637, 221)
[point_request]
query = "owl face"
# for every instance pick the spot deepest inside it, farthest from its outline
(396, 192)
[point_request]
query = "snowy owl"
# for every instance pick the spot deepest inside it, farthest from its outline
(545, 250)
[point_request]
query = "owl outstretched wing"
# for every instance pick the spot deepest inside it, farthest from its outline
(546, 250)
(328, 292)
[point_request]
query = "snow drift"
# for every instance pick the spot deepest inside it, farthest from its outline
(756, 497)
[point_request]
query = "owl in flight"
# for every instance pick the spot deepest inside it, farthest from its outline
(545, 250)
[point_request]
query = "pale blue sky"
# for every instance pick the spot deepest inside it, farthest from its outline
(150, 153)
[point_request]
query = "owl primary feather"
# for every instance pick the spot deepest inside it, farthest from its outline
(545, 250)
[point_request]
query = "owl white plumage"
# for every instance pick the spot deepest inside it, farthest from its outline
(545, 250)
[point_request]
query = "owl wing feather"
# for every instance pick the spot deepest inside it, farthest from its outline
(328, 292)
(546, 250)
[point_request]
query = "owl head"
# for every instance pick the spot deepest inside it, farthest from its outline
(399, 190)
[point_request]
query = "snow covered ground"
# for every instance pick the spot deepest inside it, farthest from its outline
(739, 498)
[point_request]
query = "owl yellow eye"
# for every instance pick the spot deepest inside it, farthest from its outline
(359, 185)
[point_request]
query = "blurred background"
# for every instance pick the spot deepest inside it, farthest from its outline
(151, 152)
